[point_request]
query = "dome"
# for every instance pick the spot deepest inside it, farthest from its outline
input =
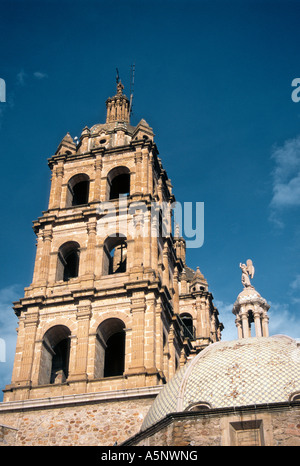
(232, 373)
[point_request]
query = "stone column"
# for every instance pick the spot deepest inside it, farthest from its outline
(45, 259)
(139, 240)
(159, 336)
(108, 117)
(38, 257)
(213, 327)
(58, 185)
(91, 248)
(200, 324)
(138, 172)
(166, 265)
(154, 245)
(144, 186)
(166, 357)
(30, 328)
(160, 189)
(150, 174)
(138, 308)
(36, 365)
(245, 325)
(176, 291)
(147, 239)
(150, 335)
(52, 189)
(171, 353)
(257, 323)
(265, 325)
(97, 182)
(184, 285)
(83, 316)
(238, 324)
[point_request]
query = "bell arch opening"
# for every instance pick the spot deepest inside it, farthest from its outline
(115, 255)
(188, 327)
(78, 190)
(55, 355)
(110, 348)
(118, 183)
(68, 261)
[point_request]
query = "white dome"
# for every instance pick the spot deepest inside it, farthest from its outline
(241, 372)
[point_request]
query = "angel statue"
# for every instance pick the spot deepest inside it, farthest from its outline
(247, 270)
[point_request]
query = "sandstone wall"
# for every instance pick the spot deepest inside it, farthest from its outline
(274, 425)
(101, 423)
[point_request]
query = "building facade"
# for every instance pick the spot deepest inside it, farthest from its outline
(113, 311)
(119, 341)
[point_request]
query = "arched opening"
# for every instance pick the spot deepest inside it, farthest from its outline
(110, 348)
(118, 182)
(294, 396)
(114, 355)
(68, 261)
(54, 366)
(198, 406)
(250, 320)
(78, 190)
(188, 327)
(115, 255)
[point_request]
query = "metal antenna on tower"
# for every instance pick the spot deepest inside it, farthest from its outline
(131, 88)
(117, 76)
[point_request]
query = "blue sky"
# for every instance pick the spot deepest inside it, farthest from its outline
(213, 80)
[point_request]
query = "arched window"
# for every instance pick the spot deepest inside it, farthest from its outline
(294, 396)
(188, 327)
(198, 406)
(114, 355)
(115, 255)
(110, 348)
(118, 183)
(68, 261)
(54, 365)
(78, 190)
(250, 320)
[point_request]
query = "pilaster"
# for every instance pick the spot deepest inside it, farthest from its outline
(31, 322)
(83, 316)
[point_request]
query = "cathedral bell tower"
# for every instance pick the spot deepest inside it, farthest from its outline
(103, 310)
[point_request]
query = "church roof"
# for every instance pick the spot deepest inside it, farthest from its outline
(233, 373)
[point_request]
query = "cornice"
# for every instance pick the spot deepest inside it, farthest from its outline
(73, 400)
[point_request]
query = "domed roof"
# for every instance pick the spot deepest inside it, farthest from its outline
(233, 373)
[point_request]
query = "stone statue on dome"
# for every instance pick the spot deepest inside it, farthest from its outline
(247, 273)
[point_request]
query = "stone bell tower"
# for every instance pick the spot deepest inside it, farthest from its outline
(103, 310)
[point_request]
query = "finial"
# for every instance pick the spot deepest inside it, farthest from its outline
(120, 88)
(247, 271)
(118, 105)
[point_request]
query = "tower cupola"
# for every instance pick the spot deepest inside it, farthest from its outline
(250, 307)
(118, 107)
